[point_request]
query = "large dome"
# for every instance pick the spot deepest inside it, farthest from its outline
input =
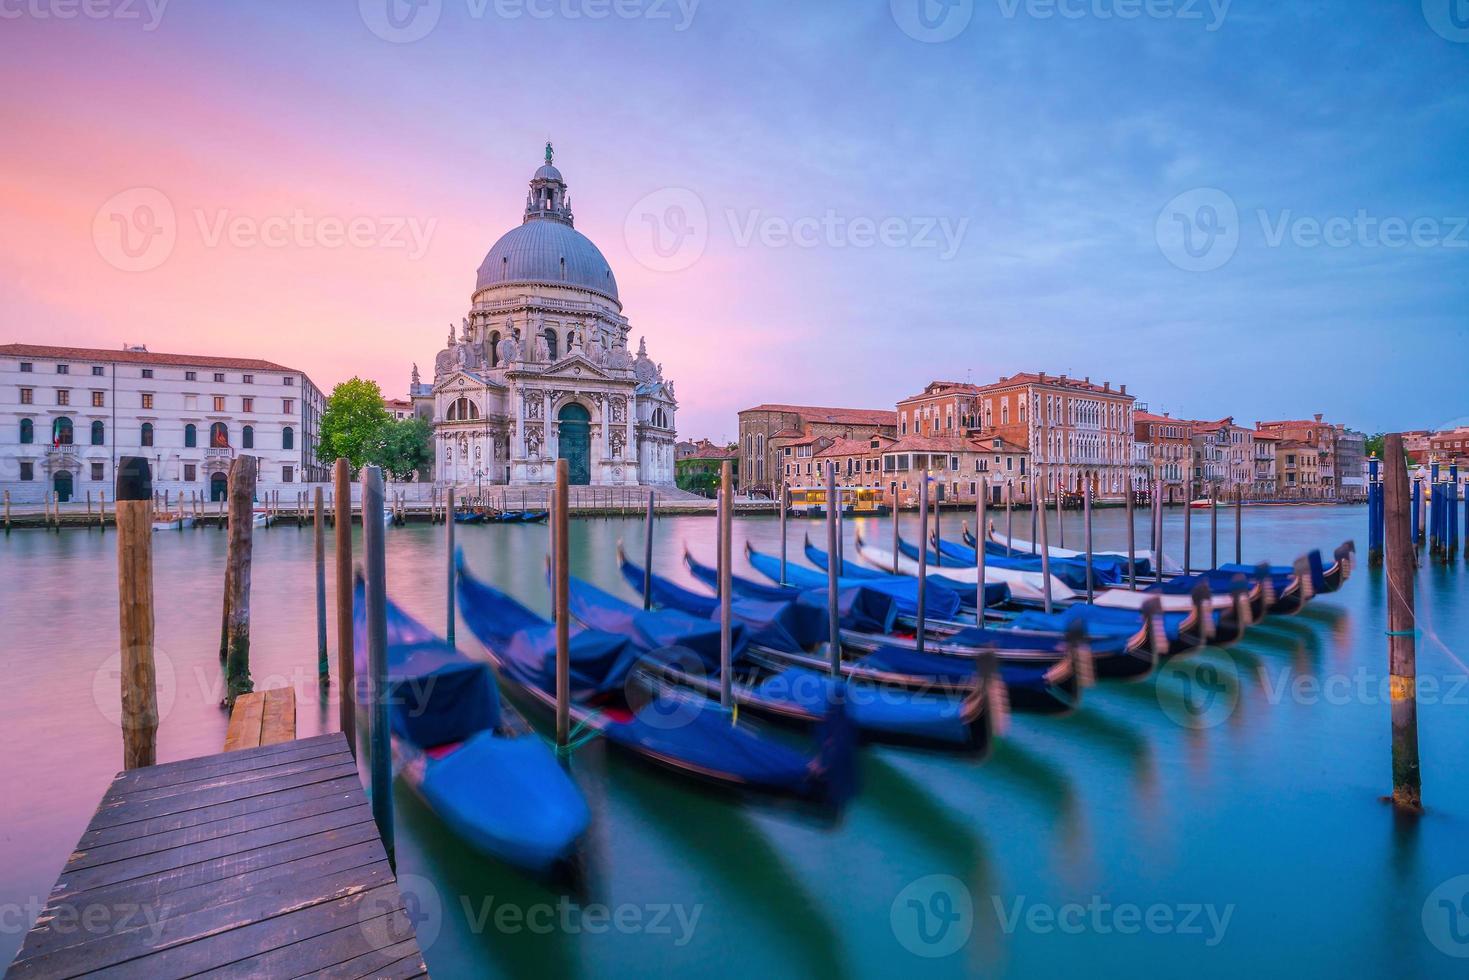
(544, 250)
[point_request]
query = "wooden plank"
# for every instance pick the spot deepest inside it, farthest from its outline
(128, 810)
(322, 955)
(245, 760)
(279, 722)
(240, 761)
(245, 719)
(379, 961)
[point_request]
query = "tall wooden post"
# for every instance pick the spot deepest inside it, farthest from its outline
(238, 557)
(785, 506)
(1131, 503)
(375, 593)
(918, 636)
(897, 529)
(833, 571)
(1214, 525)
(981, 525)
(1188, 530)
(135, 612)
(346, 641)
(726, 559)
(1402, 631)
(89, 510)
(7, 511)
(648, 553)
(102, 511)
(938, 517)
(1158, 534)
(1045, 549)
(323, 660)
(1239, 524)
(1009, 518)
(561, 595)
(1037, 502)
(1060, 514)
(451, 615)
(1086, 521)
(1417, 529)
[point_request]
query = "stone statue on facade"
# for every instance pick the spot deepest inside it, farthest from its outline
(508, 352)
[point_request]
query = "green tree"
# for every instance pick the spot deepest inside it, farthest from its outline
(354, 424)
(1374, 445)
(406, 447)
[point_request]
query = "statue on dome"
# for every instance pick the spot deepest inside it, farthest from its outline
(414, 378)
(548, 153)
(509, 350)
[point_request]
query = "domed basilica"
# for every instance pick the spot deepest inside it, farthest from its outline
(540, 369)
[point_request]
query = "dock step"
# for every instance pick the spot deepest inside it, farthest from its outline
(262, 718)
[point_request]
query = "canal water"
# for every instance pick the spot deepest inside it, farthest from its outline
(1221, 820)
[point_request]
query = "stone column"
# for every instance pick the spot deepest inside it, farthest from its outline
(551, 449)
(629, 448)
(518, 396)
(606, 421)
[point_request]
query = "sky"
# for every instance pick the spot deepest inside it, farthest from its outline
(1243, 208)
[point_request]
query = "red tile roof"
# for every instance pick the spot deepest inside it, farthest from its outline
(834, 416)
(855, 447)
(712, 452)
(1025, 378)
(47, 352)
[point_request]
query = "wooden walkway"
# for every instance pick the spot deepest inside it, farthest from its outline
(258, 862)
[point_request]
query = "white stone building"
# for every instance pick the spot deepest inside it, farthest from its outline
(540, 368)
(67, 414)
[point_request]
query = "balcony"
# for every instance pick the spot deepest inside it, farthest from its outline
(218, 454)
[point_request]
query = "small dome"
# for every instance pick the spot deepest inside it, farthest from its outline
(547, 172)
(546, 251)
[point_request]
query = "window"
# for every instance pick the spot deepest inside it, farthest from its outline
(191, 375)
(190, 473)
(63, 369)
(63, 396)
(27, 470)
(290, 382)
(191, 436)
(248, 379)
(550, 336)
(462, 410)
(27, 396)
(98, 473)
(247, 404)
(219, 403)
(98, 370)
(288, 438)
(148, 399)
(219, 436)
(27, 431)
(288, 405)
(26, 367)
(99, 399)
(247, 437)
(99, 433)
(219, 376)
(287, 472)
(145, 437)
(147, 372)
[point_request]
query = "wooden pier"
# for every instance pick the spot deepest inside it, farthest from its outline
(257, 862)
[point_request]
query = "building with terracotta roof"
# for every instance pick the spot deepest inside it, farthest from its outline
(858, 461)
(770, 434)
(1074, 431)
(67, 414)
(1166, 445)
(955, 465)
(1264, 447)
(1340, 467)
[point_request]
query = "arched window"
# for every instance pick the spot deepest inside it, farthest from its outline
(191, 436)
(495, 348)
(288, 438)
(551, 342)
(219, 436)
(463, 410)
(247, 437)
(61, 432)
(27, 431)
(99, 433)
(145, 437)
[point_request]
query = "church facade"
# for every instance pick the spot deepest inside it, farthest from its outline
(540, 370)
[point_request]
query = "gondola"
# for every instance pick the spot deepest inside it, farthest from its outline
(469, 517)
(469, 754)
(938, 603)
(1106, 570)
(517, 516)
(959, 709)
(616, 693)
(1022, 546)
(995, 593)
(1028, 587)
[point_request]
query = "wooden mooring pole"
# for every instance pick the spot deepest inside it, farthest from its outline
(1188, 529)
(1213, 525)
(897, 530)
(648, 552)
(562, 597)
(833, 572)
(1087, 535)
(7, 511)
(726, 560)
(1131, 535)
(237, 563)
(981, 520)
(451, 614)
(135, 612)
(323, 659)
(922, 560)
(346, 665)
(375, 590)
(1009, 519)
(1045, 550)
(1239, 524)
(1402, 631)
(785, 506)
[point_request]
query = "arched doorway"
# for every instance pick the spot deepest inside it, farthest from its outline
(218, 484)
(61, 483)
(574, 443)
